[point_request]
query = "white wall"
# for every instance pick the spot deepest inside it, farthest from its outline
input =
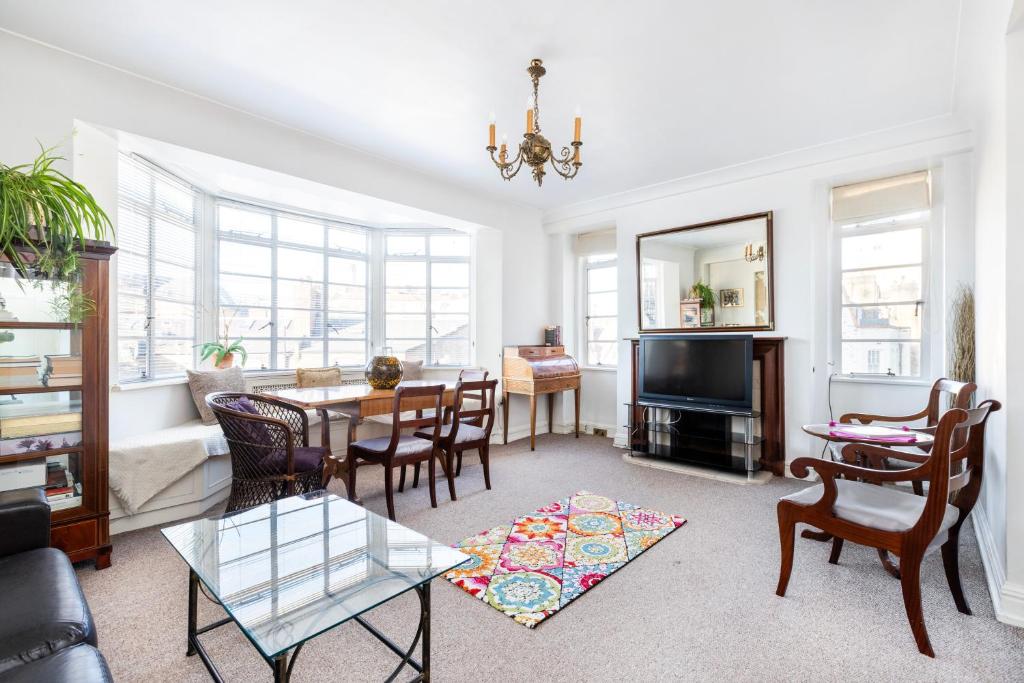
(796, 189)
(49, 89)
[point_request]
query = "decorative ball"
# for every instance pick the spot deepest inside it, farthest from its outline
(383, 372)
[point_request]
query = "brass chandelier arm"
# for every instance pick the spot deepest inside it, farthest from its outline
(508, 169)
(564, 164)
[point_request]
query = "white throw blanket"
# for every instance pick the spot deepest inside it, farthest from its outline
(144, 465)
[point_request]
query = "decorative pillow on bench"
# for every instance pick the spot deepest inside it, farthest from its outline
(205, 382)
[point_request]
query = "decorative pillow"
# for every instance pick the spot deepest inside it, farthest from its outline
(205, 382)
(317, 377)
(412, 369)
(256, 432)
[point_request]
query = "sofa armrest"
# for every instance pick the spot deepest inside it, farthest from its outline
(24, 521)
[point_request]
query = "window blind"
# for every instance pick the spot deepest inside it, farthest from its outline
(157, 219)
(881, 197)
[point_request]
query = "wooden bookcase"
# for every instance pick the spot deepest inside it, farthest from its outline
(75, 453)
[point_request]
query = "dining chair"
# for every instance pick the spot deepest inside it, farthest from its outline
(473, 375)
(460, 434)
(269, 444)
(956, 395)
(860, 507)
(402, 449)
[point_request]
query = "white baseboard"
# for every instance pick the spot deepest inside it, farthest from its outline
(523, 432)
(1007, 598)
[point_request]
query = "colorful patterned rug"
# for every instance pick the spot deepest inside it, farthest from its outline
(541, 562)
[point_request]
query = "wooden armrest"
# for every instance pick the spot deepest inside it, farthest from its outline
(868, 418)
(828, 470)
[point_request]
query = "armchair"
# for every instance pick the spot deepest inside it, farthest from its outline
(859, 508)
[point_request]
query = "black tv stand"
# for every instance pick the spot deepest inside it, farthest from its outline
(720, 438)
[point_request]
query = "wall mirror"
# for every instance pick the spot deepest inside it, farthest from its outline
(707, 277)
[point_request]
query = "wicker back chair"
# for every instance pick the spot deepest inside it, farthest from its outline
(270, 453)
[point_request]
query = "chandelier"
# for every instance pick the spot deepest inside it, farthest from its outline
(750, 254)
(535, 149)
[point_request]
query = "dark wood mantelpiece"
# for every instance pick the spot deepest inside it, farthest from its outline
(770, 354)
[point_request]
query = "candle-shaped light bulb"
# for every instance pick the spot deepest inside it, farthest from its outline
(490, 131)
(504, 147)
(529, 115)
(577, 124)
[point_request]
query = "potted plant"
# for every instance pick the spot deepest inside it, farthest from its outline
(223, 352)
(45, 220)
(706, 295)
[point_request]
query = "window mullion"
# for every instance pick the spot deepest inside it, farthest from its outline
(151, 276)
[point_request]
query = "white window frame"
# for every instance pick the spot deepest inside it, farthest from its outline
(427, 259)
(928, 224)
(586, 265)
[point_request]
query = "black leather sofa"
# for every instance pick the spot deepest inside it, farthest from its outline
(46, 630)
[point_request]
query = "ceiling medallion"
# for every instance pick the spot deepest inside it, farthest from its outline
(535, 149)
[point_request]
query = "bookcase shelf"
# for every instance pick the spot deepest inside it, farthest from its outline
(37, 389)
(42, 325)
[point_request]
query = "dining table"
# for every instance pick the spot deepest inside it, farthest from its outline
(873, 435)
(356, 402)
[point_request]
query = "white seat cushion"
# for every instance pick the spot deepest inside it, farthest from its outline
(407, 445)
(878, 507)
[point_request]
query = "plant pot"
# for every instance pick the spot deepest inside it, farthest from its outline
(226, 362)
(707, 316)
(383, 372)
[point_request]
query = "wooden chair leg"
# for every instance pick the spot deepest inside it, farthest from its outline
(458, 463)
(485, 460)
(448, 465)
(350, 480)
(389, 490)
(430, 475)
(951, 563)
(416, 475)
(910, 580)
(787, 531)
(837, 548)
(401, 479)
(887, 564)
(918, 487)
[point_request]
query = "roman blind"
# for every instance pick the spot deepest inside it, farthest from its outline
(157, 226)
(884, 196)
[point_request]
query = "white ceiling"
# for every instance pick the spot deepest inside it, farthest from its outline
(668, 88)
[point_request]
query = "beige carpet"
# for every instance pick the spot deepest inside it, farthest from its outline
(699, 606)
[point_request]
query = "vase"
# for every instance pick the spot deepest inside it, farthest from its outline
(226, 362)
(707, 316)
(383, 371)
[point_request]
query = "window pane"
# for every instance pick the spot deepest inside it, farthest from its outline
(131, 316)
(346, 353)
(449, 245)
(244, 259)
(405, 274)
(296, 294)
(172, 357)
(259, 355)
(408, 349)
(241, 222)
(346, 325)
(405, 300)
(244, 322)
(450, 351)
(173, 320)
(449, 326)
(348, 271)
(882, 249)
(449, 300)
(239, 290)
(174, 199)
(449, 275)
(603, 304)
(131, 357)
(299, 353)
(175, 243)
(602, 353)
(347, 240)
(602, 279)
(405, 325)
(882, 322)
(602, 329)
(298, 231)
(901, 358)
(174, 282)
(293, 323)
(300, 265)
(878, 286)
(346, 298)
(406, 245)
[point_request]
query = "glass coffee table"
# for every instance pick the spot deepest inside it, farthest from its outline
(288, 571)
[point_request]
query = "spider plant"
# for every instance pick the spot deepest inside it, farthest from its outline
(223, 352)
(45, 219)
(703, 292)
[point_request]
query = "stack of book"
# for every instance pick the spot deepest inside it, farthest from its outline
(40, 428)
(62, 371)
(61, 489)
(19, 371)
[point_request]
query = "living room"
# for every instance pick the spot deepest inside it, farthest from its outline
(646, 311)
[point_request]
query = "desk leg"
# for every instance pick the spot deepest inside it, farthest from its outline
(551, 413)
(504, 422)
(576, 391)
(533, 422)
(330, 465)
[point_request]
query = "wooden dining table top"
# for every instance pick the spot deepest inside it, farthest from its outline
(320, 397)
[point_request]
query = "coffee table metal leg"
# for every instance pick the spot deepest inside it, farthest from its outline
(424, 592)
(193, 611)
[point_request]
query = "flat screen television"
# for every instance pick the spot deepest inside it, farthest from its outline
(697, 370)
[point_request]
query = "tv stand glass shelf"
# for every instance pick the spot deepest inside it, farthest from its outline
(721, 438)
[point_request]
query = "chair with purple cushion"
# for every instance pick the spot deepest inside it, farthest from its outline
(270, 453)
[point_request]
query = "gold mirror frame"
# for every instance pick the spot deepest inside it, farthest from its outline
(770, 267)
